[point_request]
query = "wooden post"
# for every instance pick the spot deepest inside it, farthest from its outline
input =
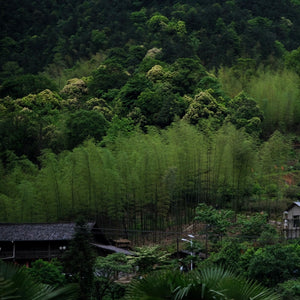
(14, 251)
(49, 251)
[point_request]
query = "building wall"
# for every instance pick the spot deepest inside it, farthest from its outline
(31, 250)
(292, 224)
(294, 211)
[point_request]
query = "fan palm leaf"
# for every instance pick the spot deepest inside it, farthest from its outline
(214, 283)
(15, 283)
(221, 284)
(7, 290)
(239, 288)
(158, 285)
(203, 284)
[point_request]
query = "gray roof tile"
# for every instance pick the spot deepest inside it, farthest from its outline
(37, 231)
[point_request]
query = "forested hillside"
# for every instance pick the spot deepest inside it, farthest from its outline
(134, 112)
(56, 34)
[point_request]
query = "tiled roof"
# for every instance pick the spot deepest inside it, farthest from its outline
(37, 231)
(114, 249)
(296, 203)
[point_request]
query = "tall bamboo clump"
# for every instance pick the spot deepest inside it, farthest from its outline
(144, 181)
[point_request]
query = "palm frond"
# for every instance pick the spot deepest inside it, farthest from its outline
(214, 283)
(19, 285)
(238, 288)
(7, 290)
(157, 286)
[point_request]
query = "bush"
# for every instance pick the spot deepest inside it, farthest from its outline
(48, 272)
(229, 255)
(251, 227)
(290, 289)
(275, 264)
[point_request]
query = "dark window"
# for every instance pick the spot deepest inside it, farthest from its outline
(296, 220)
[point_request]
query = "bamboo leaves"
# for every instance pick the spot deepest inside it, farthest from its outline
(144, 181)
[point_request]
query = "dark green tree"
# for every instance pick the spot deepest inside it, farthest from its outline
(160, 105)
(186, 74)
(84, 124)
(110, 75)
(131, 90)
(245, 113)
(79, 259)
(292, 60)
(22, 85)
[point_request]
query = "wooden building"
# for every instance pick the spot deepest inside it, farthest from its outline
(28, 242)
(291, 221)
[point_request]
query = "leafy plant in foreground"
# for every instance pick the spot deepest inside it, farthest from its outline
(208, 283)
(15, 283)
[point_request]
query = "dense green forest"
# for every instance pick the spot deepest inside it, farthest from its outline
(134, 112)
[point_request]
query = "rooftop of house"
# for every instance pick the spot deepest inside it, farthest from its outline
(114, 249)
(38, 231)
(295, 203)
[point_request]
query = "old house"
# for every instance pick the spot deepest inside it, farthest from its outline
(291, 221)
(28, 242)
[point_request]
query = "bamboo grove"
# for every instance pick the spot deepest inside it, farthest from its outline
(148, 181)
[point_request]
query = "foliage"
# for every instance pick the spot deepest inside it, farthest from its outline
(289, 289)
(229, 254)
(50, 273)
(79, 259)
(274, 264)
(157, 285)
(292, 60)
(157, 174)
(160, 105)
(149, 258)
(33, 120)
(227, 31)
(245, 113)
(108, 76)
(270, 236)
(272, 157)
(140, 132)
(131, 73)
(252, 226)
(45, 100)
(186, 74)
(84, 124)
(208, 283)
(16, 283)
(75, 88)
(20, 86)
(277, 95)
(204, 106)
(218, 221)
(107, 270)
